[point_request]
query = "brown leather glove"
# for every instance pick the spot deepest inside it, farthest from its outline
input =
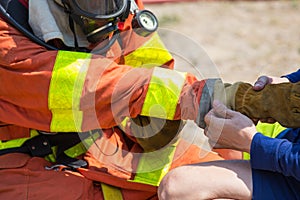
(278, 101)
(226, 93)
(154, 133)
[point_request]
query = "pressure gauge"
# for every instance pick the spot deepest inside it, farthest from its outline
(144, 23)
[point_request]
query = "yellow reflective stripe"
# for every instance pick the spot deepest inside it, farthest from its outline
(154, 166)
(124, 123)
(82, 147)
(111, 193)
(152, 53)
(52, 157)
(163, 93)
(267, 129)
(76, 150)
(65, 90)
(16, 142)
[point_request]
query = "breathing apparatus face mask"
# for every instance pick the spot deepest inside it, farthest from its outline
(97, 18)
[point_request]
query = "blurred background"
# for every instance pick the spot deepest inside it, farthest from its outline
(244, 39)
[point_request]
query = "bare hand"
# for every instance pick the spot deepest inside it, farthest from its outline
(262, 81)
(229, 129)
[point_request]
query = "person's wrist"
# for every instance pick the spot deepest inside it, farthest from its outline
(248, 140)
(282, 79)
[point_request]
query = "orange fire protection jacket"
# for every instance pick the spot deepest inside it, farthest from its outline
(64, 91)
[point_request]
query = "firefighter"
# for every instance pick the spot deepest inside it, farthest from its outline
(90, 103)
(74, 80)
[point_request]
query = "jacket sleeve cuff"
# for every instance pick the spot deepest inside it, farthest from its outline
(293, 77)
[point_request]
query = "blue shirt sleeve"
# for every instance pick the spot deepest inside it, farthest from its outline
(293, 77)
(278, 155)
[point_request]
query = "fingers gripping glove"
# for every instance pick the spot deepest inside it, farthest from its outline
(155, 133)
(278, 101)
(215, 89)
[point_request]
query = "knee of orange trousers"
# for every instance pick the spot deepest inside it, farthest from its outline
(25, 177)
(229, 154)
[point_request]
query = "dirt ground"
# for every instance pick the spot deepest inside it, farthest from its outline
(244, 39)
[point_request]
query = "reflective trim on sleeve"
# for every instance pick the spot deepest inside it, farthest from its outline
(85, 144)
(163, 93)
(111, 193)
(65, 90)
(152, 53)
(154, 166)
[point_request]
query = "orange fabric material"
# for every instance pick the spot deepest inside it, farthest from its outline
(23, 177)
(188, 104)
(25, 76)
(9, 132)
(187, 153)
(113, 154)
(26, 70)
(229, 154)
(116, 181)
(113, 161)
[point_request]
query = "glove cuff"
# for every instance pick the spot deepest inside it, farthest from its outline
(226, 93)
(206, 101)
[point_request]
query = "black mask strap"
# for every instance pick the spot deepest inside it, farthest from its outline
(71, 24)
(72, 27)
